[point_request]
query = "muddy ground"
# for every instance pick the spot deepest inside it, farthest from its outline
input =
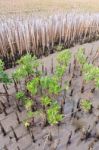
(60, 134)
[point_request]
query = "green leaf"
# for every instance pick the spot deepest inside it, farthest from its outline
(4, 78)
(46, 101)
(53, 114)
(28, 103)
(64, 57)
(27, 66)
(32, 86)
(86, 105)
(81, 58)
(20, 96)
(30, 114)
(60, 70)
(1, 65)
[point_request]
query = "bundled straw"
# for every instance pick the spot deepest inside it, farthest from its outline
(37, 35)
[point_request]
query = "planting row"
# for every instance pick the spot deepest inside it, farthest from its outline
(44, 95)
(38, 92)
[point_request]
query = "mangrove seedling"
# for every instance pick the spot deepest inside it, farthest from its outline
(50, 84)
(28, 63)
(28, 104)
(46, 101)
(64, 57)
(20, 95)
(5, 80)
(26, 124)
(86, 105)
(60, 70)
(53, 114)
(80, 56)
(32, 86)
(27, 66)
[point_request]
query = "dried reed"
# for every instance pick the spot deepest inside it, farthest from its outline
(37, 35)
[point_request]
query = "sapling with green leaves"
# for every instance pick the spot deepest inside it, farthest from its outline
(27, 102)
(63, 60)
(80, 56)
(50, 84)
(91, 73)
(28, 64)
(46, 101)
(53, 114)
(27, 68)
(64, 57)
(20, 97)
(5, 80)
(33, 85)
(60, 70)
(86, 105)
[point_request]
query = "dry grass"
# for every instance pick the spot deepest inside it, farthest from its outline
(40, 35)
(10, 6)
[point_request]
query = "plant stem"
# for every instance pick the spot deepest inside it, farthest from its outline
(4, 108)
(7, 95)
(18, 118)
(3, 130)
(15, 136)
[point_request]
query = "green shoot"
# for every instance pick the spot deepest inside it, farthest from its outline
(28, 103)
(20, 96)
(3, 75)
(26, 123)
(60, 70)
(32, 86)
(46, 101)
(86, 105)
(81, 58)
(64, 57)
(53, 114)
(51, 84)
(27, 66)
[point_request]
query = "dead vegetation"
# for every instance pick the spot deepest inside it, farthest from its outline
(40, 36)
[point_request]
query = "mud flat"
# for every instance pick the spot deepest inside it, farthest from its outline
(78, 130)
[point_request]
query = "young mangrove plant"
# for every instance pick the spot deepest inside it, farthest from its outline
(86, 105)
(91, 73)
(32, 86)
(53, 114)
(80, 56)
(5, 80)
(27, 68)
(50, 84)
(64, 57)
